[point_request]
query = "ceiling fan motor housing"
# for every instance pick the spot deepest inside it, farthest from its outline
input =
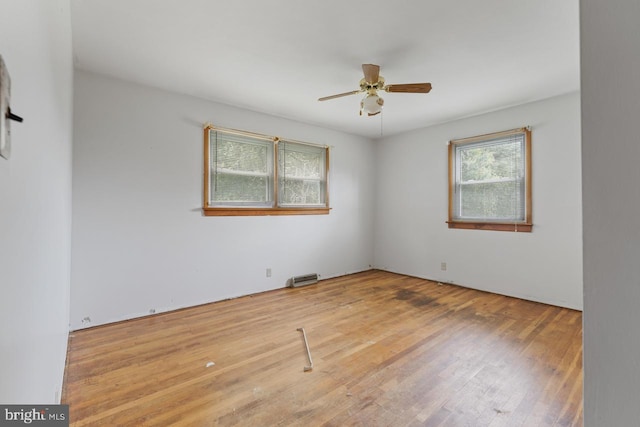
(368, 87)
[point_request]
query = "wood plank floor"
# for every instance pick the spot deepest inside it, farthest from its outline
(388, 350)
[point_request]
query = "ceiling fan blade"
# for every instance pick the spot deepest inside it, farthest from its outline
(326, 98)
(409, 88)
(371, 73)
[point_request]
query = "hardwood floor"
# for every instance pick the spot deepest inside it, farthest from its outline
(388, 350)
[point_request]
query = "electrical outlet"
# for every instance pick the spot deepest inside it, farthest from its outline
(268, 272)
(443, 266)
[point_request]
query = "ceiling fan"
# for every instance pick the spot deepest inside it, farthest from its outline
(371, 84)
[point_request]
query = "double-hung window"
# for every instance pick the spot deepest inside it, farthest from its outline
(252, 174)
(302, 174)
(490, 181)
(241, 171)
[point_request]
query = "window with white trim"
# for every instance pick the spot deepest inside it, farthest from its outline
(302, 174)
(490, 181)
(253, 174)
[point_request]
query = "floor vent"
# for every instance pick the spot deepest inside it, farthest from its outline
(307, 279)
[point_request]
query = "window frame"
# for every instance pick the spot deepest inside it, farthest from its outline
(211, 209)
(525, 225)
(284, 178)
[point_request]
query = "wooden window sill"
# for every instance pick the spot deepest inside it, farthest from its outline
(209, 211)
(496, 226)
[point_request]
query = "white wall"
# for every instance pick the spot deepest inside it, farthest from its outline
(140, 241)
(610, 63)
(35, 201)
(412, 207)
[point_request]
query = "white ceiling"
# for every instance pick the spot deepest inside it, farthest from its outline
(280, 56)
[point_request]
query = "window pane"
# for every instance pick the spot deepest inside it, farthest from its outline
(241, 170)
(490, 180)
(490, 162)
(301, 171)
(241, 188)
(299, 164)
(239, 156)
(493, 201)
(298, 192)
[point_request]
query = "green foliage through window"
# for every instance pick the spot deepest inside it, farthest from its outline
(301, 174)
(242, 170)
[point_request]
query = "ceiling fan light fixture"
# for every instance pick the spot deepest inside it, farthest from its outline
(373, 82)
(371, 104)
